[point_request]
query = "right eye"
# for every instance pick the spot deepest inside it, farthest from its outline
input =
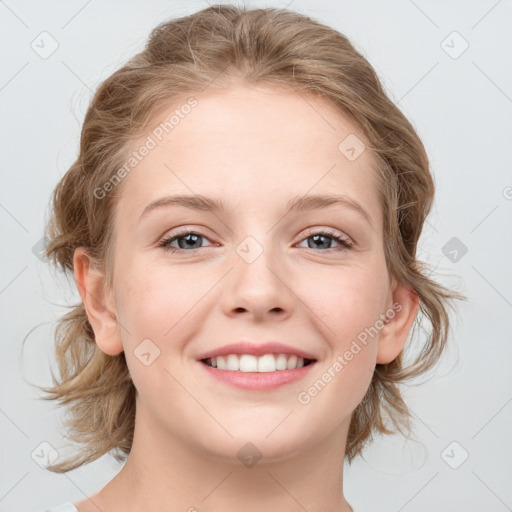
(190, 238)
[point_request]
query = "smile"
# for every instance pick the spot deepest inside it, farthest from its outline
(263, 364)
(263, 373)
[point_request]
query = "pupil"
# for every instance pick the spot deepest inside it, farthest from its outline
(186, 240)
(316, 237)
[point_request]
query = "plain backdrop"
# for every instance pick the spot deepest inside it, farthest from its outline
(447, 65)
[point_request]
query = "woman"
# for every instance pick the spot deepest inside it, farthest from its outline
(240, 371)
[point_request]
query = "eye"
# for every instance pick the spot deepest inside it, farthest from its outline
(192, 240)
(320, 237)
(186, 240)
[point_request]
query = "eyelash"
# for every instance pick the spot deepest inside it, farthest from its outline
(345, 244)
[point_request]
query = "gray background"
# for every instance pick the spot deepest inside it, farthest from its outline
(461, 105)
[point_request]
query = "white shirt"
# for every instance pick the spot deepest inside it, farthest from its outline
(65, 507)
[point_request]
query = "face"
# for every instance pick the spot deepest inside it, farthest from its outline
(250, 272)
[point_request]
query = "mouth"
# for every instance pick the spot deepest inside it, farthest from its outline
(248, 363)
(251, 373)
(257, 366)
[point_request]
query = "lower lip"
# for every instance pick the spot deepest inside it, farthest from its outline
(258, 380)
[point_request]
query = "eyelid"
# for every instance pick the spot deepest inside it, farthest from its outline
(185, 230)
(309, 232)
(330, 232)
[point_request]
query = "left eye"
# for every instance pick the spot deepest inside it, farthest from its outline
(190, 239)
(317, 240)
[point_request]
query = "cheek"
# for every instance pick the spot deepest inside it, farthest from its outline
(345, 378)
(359, 324)
(351, 304)
(154, 298)
(357, 377)
(155, 313)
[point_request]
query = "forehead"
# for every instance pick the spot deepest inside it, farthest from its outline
(248, 144)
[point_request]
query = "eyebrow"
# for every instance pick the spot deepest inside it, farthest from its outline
(295, 204)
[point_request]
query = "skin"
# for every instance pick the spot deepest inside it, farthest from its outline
(254, 148)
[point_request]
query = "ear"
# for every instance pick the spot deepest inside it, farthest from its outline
(405, 303)
(100, 307)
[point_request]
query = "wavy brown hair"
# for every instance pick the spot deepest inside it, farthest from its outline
(217, 47)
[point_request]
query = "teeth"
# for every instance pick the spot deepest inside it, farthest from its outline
(292, 362)
(250, 363)
(266, 363)
(281, 362)
(232, 362)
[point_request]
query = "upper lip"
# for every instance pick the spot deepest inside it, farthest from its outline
(256, 349)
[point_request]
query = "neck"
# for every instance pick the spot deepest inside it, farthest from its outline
(163, 472)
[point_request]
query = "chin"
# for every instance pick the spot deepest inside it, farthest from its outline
(255, 447)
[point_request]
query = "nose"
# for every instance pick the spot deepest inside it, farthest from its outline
(259, 288)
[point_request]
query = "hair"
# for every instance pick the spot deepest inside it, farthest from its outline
(218, 47)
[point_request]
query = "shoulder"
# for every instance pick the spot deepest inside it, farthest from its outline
(65, 507)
